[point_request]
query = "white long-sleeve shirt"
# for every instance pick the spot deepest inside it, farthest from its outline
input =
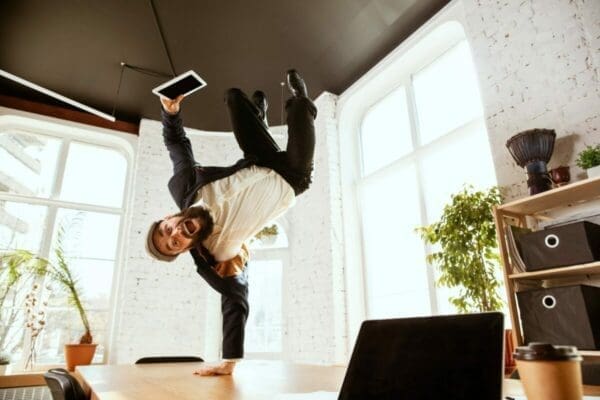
(241, 205)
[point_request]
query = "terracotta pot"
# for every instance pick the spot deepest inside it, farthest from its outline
(560, 175)
(509, 348)
(79, 354)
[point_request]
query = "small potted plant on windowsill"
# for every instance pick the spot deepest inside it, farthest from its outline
(83, 352)
(589, 159)
(267, 235)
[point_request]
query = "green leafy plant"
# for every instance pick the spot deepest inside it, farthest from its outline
(17, 263)
(267, 231)
(588, 157)
(4, 359)
(67, 281)
(468, 256)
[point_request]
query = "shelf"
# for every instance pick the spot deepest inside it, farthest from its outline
(575, 270)
(573, 193)
(590, 354)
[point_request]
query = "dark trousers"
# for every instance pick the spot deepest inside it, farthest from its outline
(295, 164)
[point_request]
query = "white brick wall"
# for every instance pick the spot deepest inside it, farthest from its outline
(314, 327)
(538, 63)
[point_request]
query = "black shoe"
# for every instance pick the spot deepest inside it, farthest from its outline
(260, 100)
(296, 84)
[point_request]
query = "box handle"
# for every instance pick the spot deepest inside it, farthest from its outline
(549, 302)
(552, 241)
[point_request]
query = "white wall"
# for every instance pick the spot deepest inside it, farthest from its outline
(538, 63)
(314, 309)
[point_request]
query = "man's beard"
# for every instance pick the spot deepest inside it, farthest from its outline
(206, 222)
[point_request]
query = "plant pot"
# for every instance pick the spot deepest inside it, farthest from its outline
(593, 172)
(3, 369)
(509, 347)
(79, 354)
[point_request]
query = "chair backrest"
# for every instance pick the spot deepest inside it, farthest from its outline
(63, 386)
(168, 359)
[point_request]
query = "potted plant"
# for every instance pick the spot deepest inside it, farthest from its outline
(589, 159)
(468, 252)
(83, 352)
(267, 235)
(468, 256)
(4, 361)
(17, 264)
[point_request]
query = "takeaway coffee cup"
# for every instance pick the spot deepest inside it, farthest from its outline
(550, 372)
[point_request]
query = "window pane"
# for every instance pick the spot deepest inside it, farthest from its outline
(21, 226)
(385, 132)
(27, 163)
(64, 326)
(447, 93)
(445, 173)
(396, 276)
(89, 243)
(94, 175)
(445, 169)
(87, 234)
(263, 330)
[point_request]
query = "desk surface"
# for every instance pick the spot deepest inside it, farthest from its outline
(251, 380)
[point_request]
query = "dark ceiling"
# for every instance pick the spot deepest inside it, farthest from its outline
(75, 48)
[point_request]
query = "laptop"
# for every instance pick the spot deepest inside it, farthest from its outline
(451, 357)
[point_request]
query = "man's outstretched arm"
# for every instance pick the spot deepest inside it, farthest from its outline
(178, 145)
(235, 314)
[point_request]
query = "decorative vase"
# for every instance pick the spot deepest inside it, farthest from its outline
(79, 354)
(532, 150)
(509, 346)
(593, 172)
(560, 175)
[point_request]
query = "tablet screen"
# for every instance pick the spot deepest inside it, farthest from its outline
(182, 86)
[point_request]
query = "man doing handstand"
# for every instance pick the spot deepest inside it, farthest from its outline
(222, 207)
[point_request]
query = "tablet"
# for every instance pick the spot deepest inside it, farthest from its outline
(183, 84)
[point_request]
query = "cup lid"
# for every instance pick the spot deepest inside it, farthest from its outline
(546, 352)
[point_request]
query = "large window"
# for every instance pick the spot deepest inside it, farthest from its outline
(264, 327)
(68, 189)
(420, 143)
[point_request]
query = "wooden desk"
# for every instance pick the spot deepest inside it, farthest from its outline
(251, 380)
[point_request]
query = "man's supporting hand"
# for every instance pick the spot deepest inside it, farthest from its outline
(171, 106)
(213, 369)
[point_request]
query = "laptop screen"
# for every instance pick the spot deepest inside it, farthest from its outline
(441, 358)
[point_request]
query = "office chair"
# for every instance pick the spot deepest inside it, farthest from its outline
(168, 359)
(63, 386)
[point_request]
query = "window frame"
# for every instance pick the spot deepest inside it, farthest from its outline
(436, 37)
(272, 254)
(68, 132)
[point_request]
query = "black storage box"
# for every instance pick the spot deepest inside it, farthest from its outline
(572, 244)
(568, 315)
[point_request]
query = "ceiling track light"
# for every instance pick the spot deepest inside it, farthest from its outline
(57, 96)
